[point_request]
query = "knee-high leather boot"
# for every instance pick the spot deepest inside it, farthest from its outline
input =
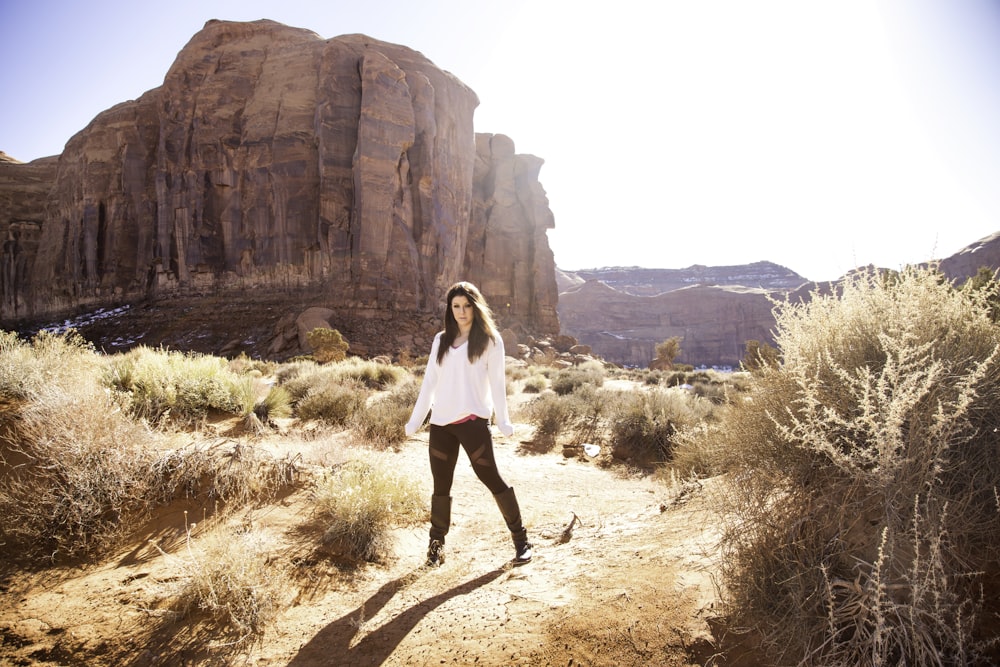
(440, 523)
(511, 511)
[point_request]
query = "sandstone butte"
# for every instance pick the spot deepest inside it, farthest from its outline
(272, 161)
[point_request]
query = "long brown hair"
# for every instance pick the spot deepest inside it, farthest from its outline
(484, 330)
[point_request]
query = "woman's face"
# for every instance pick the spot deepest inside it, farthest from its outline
(463, 311)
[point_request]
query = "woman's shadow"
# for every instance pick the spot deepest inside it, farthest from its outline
(332, 644)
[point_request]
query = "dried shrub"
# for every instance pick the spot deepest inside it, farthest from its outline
(644, 424)
(863, 513)
(226, 578)
(578, 417)
(534, 384)
(335, 404)
(549, 413)
(359, 502)
(382, 422)
(568, 380)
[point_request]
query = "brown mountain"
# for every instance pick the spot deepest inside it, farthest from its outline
(276, 167)
(623, 312)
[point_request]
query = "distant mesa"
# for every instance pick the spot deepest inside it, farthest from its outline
(623, 312)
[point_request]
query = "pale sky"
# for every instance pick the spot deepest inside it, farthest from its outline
(817, 134)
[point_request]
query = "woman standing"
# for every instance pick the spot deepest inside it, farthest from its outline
(464, 385)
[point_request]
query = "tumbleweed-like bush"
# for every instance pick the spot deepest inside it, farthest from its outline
(360, 502)
(863, 523)
(228, 578)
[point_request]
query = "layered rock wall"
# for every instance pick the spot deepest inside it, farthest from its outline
(272, 158)
(712, 322)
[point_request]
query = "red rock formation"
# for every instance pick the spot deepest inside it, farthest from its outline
(966, 262)
(271, 158)
(712, 322)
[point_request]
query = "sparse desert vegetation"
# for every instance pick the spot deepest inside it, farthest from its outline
(851, 477)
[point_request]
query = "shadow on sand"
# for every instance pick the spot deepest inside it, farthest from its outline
(332, 644)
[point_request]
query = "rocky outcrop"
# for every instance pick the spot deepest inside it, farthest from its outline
(966, 262)
(712, 322)
(273, 159)
(23, 192)
(648, 282)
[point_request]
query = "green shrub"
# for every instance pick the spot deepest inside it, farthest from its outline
(159, 385)
(863, 514)
(327, 344)
(359, 503)
(335, 404)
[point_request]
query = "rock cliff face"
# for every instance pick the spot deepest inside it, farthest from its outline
(622, 313)
(650, 282)
(966, 262)
(272, 159)
(713, 322)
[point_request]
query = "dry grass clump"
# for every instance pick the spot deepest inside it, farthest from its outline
(227, 578)
(863, 519)
(645, 423)
(79, 473)
(568, 380)
(275, 404)
(75, 470)
(163, 386)
(336, 404)
(359, 502)
(382, 421)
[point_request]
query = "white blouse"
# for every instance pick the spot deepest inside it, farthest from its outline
(455, 388)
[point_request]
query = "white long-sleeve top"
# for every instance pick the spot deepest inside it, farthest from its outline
(456, 388)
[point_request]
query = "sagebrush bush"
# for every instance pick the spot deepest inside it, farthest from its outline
(78, 473)
(577, 417)
(335, 404)
(567, 380)
(863, 516)
(29, 367)
(74, 470)
(644, 423)
(324, 392)
(227, 577)
(382, 421)
(534, 384)
(358, 504)
(160, 385)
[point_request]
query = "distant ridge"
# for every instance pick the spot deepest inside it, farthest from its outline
(623, 312)
(641, 281)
